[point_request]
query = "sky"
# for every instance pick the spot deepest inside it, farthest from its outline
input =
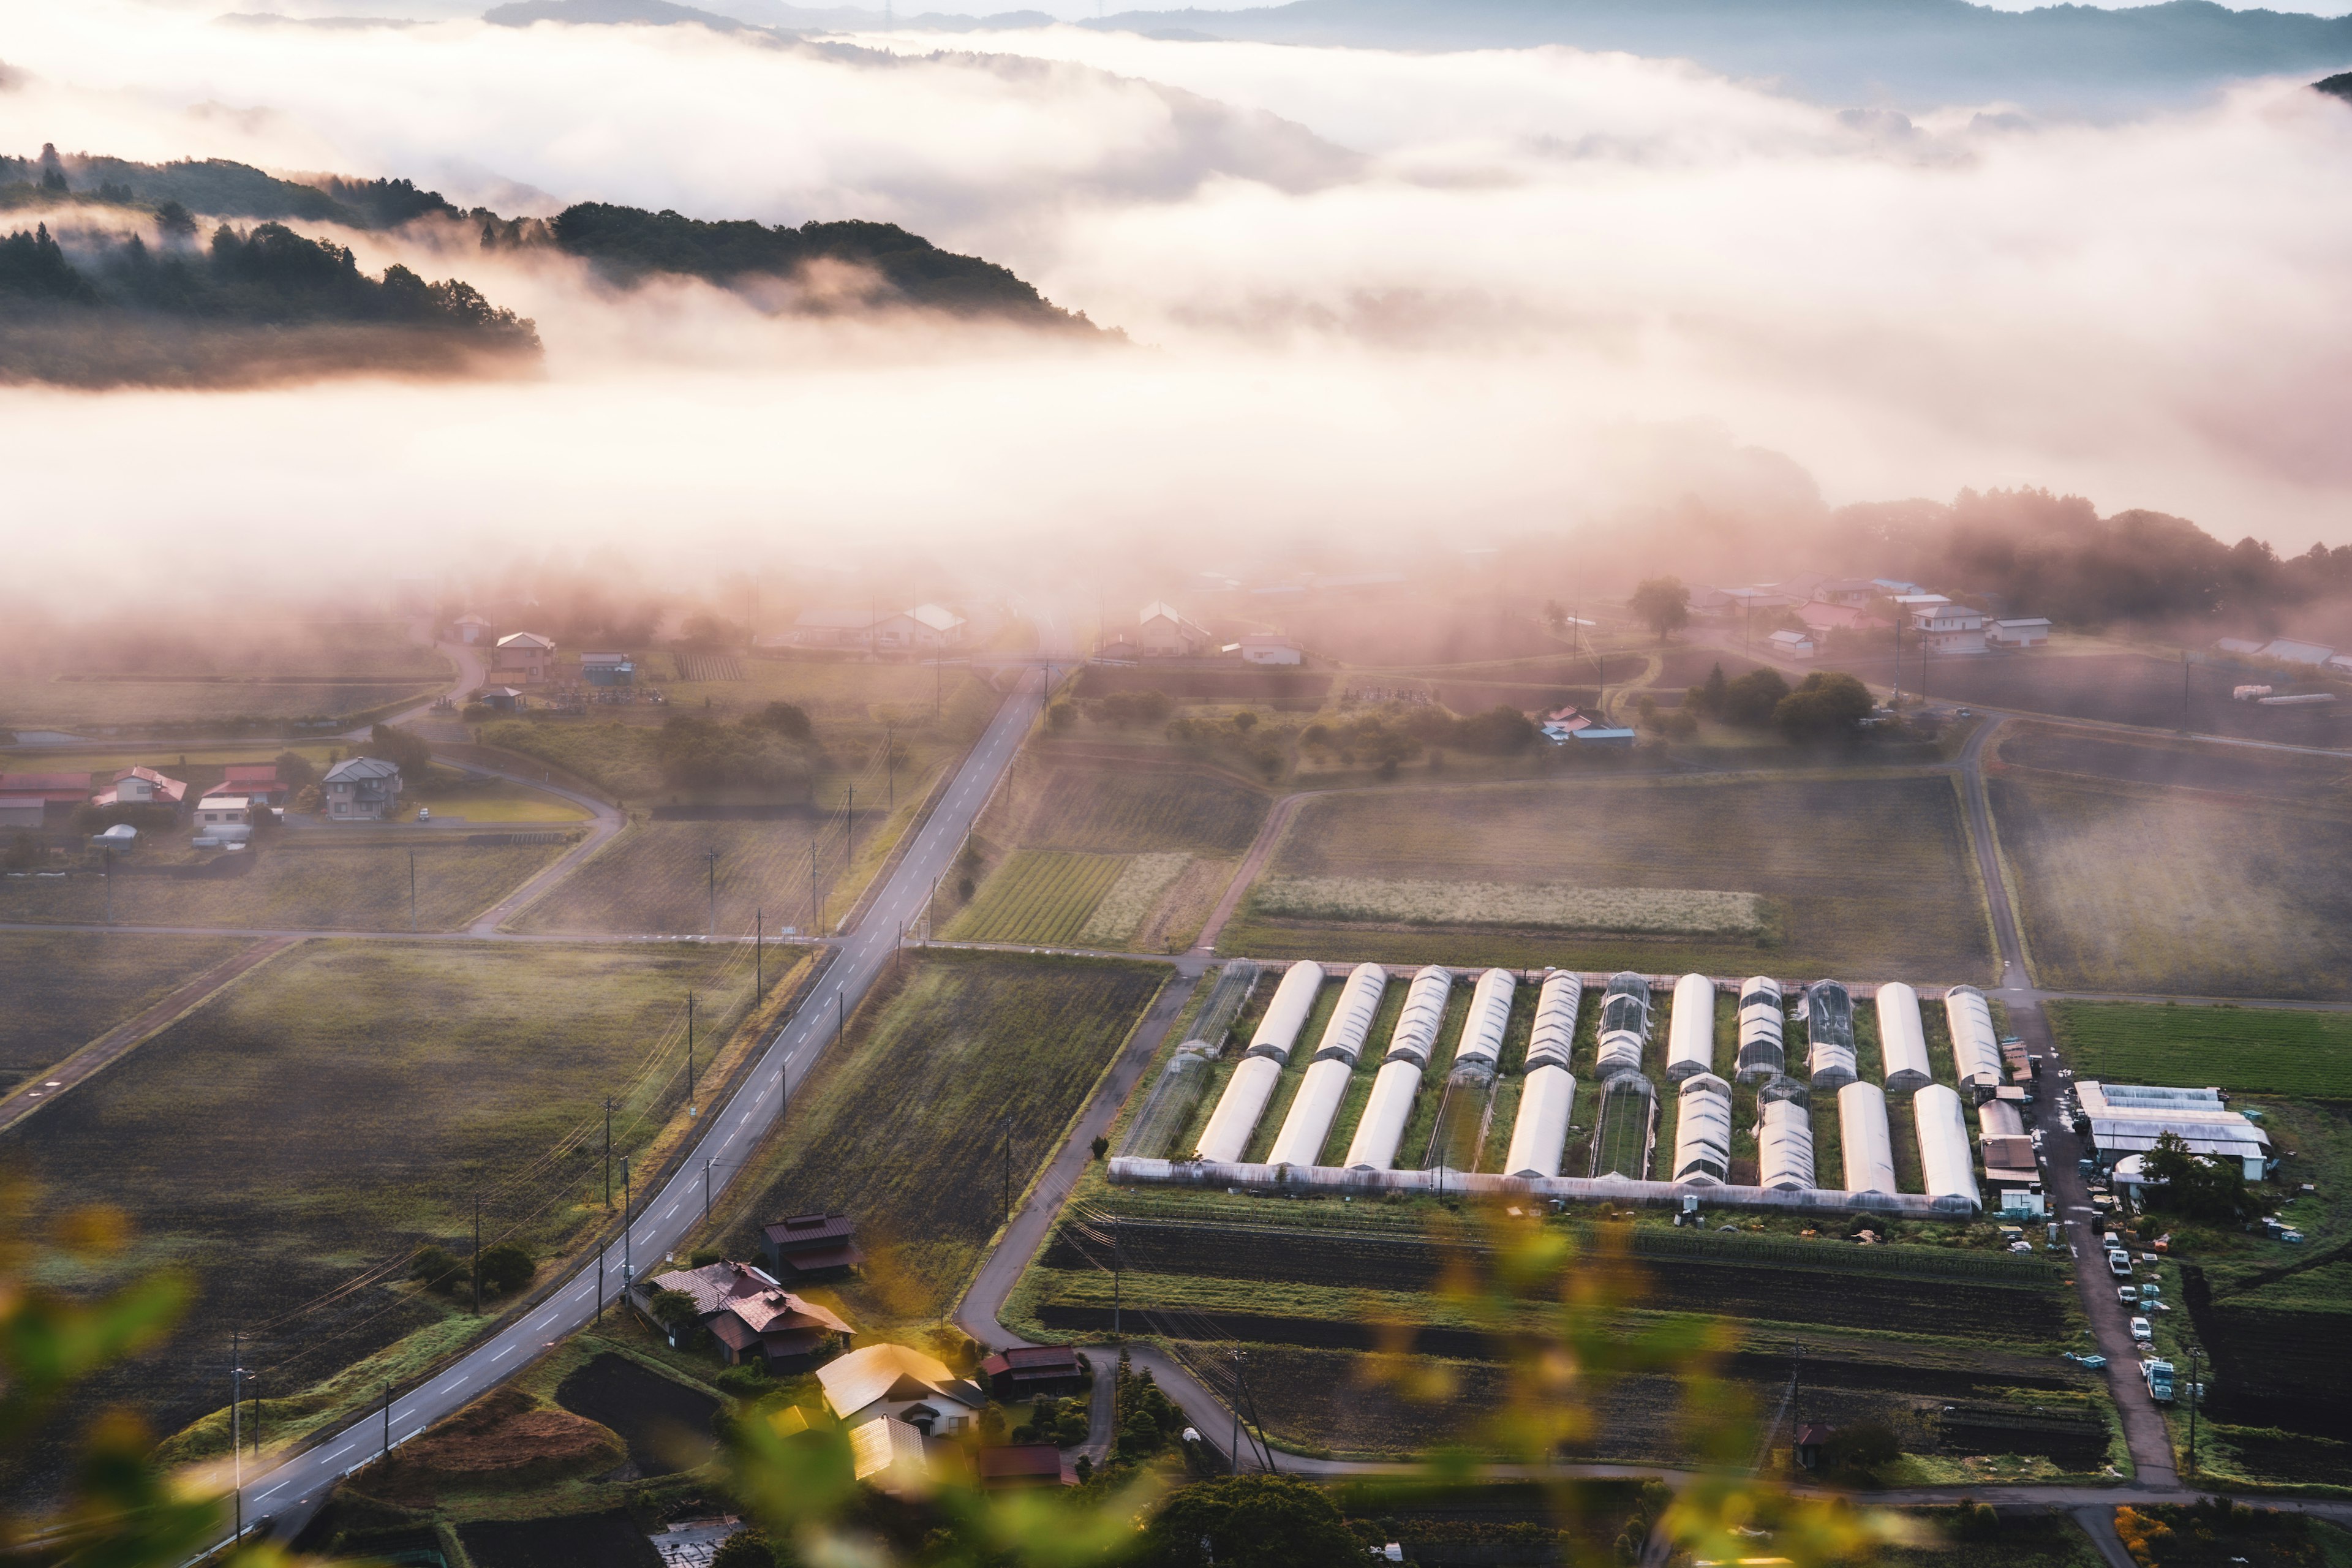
(1368, 298)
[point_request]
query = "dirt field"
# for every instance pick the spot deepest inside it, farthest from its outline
(2130, 890)
(351, 886)
(2295, 777)
(2115, 688)
(345, 1103)
(1073, 806)
(576, 1541)
(1866, 878)
(654, 879)
(905, 1127)
(1288, 690)
(64, 989)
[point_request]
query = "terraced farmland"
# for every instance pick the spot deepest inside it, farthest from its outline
(1038, 896)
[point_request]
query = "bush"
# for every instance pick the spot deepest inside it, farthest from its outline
(1121, 708)
(403, 750)
(1753, 698)
(694, 752)
(145, 819)
(1101, 1146)
(749, 1381)
(1251, 1522)
(505, 1268)
(1828, 704)
(1060, 714)
(785, 718)
(295, 772)
(674, 1311)
(440, 1269)
(704, 1257)
(22, 852)
(1863, 1449)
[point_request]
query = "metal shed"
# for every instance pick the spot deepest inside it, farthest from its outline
(1829, 1035)
(1999, 1119)
(1763, 1054)
(1625, 1024)
(1946, 1164)
(1703, 1131)
(1304, 1129)
(1863, 1138)
(1374, 1147)
(1976, 1046)
(1252, 1085)
(1784, 1146)
(1690, 1028)
(1902, 1037)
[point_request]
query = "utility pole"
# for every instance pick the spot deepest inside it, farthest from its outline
(2184, 691)
(1233, 1454)
(628, 1264)
(849, 827)
(600, 1283)
(109, 853)
(412, 892)
(478, 1255)
(706, 1189)
(1116, 1335)
(690, 1055)
(813, 922)
(840, 1018)
(710, 858)
(235, 1434)
(254, 1379)
(1006, 1122)
(889, 766)
(759, 955)
(608, 1155)
(2193, 1402)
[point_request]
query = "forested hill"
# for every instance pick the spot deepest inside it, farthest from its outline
(627, 243)
(215, 188)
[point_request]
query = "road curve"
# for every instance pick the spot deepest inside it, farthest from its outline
(665, 1217)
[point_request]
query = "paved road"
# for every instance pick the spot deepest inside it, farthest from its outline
(664, 1217)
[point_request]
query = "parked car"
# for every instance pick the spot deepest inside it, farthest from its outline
(2141, 1332)
(2119, 1264)
(2128, 1294)
(424, 814)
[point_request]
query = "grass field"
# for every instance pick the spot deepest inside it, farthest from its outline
(2248, 1051)
(1867, 877)
(350, 886)
(500, 800)
(72, 705)
(347, 1102)
(1038, 895)
(2129, 890)
(904, 1126)
(65, 989)
(654, 878)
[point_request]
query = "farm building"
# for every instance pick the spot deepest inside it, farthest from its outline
(2030, 632)
(811, 1247)
(1018, 1464)
(1942, 625)
(526, 656)
(924, 628)
(1790, 645)
(875, 1382)
(1626, 1133)
(2287, 650)
(227, 819)
(1482, 1026)
(2127, 1119)
(1784, 1145)
(1160, 632)
(2012, 1176)
(1269, 648)
(1976, 1048)
(751, 1316)
(1625, 1024)
(1410, 1044)
(1999, 1119)
(1026, 1370)
(1762, 1055)
(1822, 619)
(1703, 1131)
(1304, 1129)
(1252, 1085)
(1546, 1093)
(835, 626)
(143, 786)
(471, 629)
(2241, 647)
(257, 782)
(1604, 736)
(608, 670)
(1866, 1142)
(500, 699)
(890, 1456)
(361, 789)
(1829, 1033)
(30, 800)
(1848, 591)
(1901, 1039)
(1945, 1163)
(1690, 1028)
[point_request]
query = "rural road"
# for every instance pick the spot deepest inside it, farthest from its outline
(665, 1217)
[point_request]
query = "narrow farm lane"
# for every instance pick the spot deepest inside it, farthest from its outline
(1261, 849)
(664, 1217)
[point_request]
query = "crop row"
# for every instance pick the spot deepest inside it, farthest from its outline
(1167, 809)
(1039, 895)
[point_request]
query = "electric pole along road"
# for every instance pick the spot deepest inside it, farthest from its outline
(728, 1135)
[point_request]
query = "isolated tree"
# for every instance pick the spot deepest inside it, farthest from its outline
(1711, 694)
(1061, 714)
(1664, 605)
(787, 719)
(295, 772)
(1828, 704)
(2187, 1182)
(675, 1310)
(1753, 697)
(1251, 1522)
(505, 1268)
(438, 1269)
(403, 750)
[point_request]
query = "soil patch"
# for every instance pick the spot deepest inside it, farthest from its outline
(504, 1440)
(665, 1424)
(576, 1541)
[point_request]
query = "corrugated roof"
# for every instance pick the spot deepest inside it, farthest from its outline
(363, 768)
(526, 639)
(889, 1456)
(868, 1374)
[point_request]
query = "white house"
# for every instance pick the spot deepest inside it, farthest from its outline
(1791, 644)
(1943, 626)
(1162, 633)
(223, 811)
(524, 655)
(143, 786)
(1267, 648)
(471, 629)
(2031, 632)
(895, 1382)
(361, 789)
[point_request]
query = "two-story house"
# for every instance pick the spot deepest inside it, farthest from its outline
(361, 789)
(523, 656)
(143, 786)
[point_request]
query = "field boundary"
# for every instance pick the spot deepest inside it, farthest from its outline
(95, 1055)
(1962, 787)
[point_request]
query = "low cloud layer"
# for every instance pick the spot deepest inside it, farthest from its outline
(1373, 296)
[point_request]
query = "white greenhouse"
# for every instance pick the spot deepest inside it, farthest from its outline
(1374, 1147)
(1902, 1037)
(1703, 1131)
(1252, 1085)
(1690, 1028)
(1863, 1138)
(1304, 1129)
(1489, 1014)
(1784, 1146)
(1946, 1164)
(1829, 1035)
(1546, 1093)
(1763, 1053)
(1976, 1048)
(1624, 1026)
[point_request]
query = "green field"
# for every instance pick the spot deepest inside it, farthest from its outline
(1038, 896)
(654, 878)
(308, 886)
(1071, 806)
(904, 1126)
(289, 1144)
(64, 989)
(2248, 1051)
(1865, 877)
(2126, 888)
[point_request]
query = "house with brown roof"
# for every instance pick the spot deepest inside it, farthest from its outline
(811, 1247)
(143, 786)
(751, 1317)
(257, 781)
(1026, 1372)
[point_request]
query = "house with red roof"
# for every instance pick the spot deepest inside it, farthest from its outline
(143, 786)
(39, 800)
(257, 781)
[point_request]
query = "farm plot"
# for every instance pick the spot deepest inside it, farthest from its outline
(73, 704)
(2159, 763)
(64, 989)
(2250, 1050)
(289, 1144)
(1858, 875)
(905, 1125)
(1038, 896)
(2113, 688)
(1294, 689)
(1134, 810)
(655, 877)
(287, 886)
(2125, 890)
